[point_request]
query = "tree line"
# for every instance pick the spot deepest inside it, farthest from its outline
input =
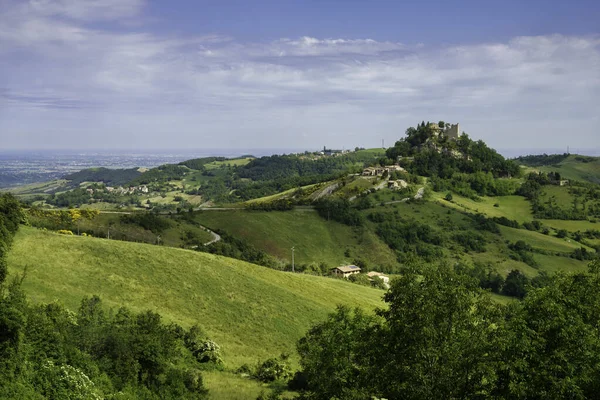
(439, 336)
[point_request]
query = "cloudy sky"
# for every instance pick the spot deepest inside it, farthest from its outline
(158, 74)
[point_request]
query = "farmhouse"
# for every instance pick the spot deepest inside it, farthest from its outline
(383, 277)
(346, 270)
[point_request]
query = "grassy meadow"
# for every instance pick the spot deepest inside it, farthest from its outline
(252, 311)
(314, 239)
(575, 167)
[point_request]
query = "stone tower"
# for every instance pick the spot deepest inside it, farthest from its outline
(453, 132)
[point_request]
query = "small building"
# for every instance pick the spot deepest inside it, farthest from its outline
(369, 171)
(399, 184)
(394, 168)
(383, 277)
(346, 270)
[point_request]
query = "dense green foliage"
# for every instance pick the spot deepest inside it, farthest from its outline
(50, 352)
(339, 209)
(148, 221)
(541, 159)
(10, 217)
(442, 157)
(440, 337)
(111, 177)
(47, 351)
(289, 166)
(585, 198)
(199, 163)
(164, 173)
(230, 246)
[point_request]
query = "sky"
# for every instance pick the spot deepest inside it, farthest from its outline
(185, 74)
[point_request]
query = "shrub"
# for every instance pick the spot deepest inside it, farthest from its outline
(273, 369)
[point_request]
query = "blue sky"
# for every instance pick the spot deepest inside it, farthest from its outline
(107, 74)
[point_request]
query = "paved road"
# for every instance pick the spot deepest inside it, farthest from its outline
(216, 236)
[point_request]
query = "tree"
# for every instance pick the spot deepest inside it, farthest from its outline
(330, 353)
(515, 284)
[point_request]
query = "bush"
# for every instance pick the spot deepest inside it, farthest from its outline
(273, 369)
(65, 232)
(562, 233)
(448, 196)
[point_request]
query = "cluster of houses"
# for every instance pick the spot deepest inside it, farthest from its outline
(121, 189)
(379, 171)
(331, 152)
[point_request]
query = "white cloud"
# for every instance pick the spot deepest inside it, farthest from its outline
(58, 74)
(86, 10)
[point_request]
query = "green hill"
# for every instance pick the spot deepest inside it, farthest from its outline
(251, 311)
(572, 166)
(314, 238)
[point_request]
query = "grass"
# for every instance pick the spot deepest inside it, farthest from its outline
(239, 162)
(553, 264)
(37, 188)
(251, 311)
(286, 193)
(575, 169)
(540, 241)
(571, 226)
(512, 207)
(315, 239)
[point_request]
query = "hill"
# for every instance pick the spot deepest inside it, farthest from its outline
(251, 311)
(569, 166)
(315, 239)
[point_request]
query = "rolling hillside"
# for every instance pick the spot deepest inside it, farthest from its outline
(574, 167)
(251, 311)
(315, 239)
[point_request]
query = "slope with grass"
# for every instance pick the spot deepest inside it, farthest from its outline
(252, 311)
(541, 241)
(314, 238)
(574, 167)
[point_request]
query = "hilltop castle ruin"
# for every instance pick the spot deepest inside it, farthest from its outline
(450, 131)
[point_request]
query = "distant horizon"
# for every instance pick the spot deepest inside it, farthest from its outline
(263, 151)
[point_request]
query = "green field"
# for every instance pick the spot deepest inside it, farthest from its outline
(512, 207)
(571, 226)
(540, 241)
(251, 311)
(314, 239)
(575, 167)
(307, 189)
(236, 162)
(553, 264)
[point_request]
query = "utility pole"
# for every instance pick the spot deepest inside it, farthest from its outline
(293, 260)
